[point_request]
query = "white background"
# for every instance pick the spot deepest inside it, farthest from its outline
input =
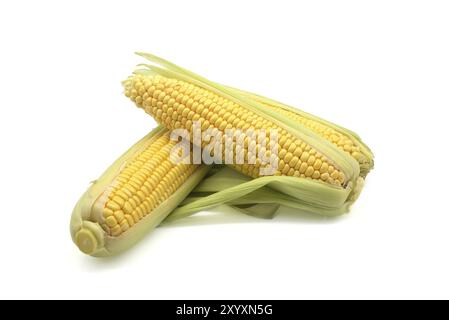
(380, 68)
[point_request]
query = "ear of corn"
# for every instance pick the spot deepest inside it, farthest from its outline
(343, 138)
(313, 168)
(133, 196)
(299, 150)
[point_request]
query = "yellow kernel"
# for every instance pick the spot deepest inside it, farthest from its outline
(281, 165)
(298, 152)
(282, 140)
(324, 167)
(107, 212)
(282, 154)
(111, 222)
(129, 219)
(129, 189)
(311, 160)
(119, 215)
(317, 164)
(135, 216)
(115, 231)
(292, 147)
(303, 167)
(335, 175)
(222, 125)
(124, 225)
(118, 200)
(292, 163)
(127, 208)
(356, 155)
(286, 169)
(141, 194)
(309, 172)
(304, 156)
(134, 201)
(112, 205)
(288, 157)
(141, 211)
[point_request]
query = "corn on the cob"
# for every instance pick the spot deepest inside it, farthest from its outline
(176, 100)
(176, 104)
(341, 137)
(134, 195)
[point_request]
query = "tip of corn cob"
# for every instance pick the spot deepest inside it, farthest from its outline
(87, 235)
(86, 241)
